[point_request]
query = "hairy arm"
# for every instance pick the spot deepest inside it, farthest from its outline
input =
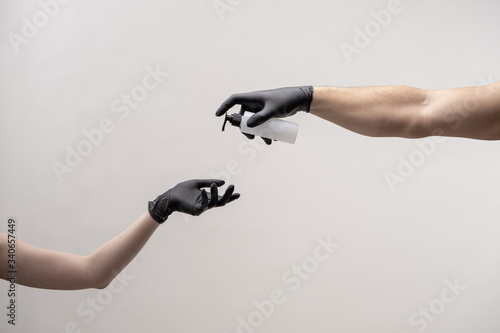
(48, 269)
(402, 111)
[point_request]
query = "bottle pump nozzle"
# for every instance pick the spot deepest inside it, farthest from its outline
(234, 119)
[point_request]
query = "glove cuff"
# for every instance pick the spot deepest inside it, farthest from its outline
(158, 209)
(308, 92)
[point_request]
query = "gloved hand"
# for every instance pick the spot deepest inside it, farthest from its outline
(188, 197)
(267, 104)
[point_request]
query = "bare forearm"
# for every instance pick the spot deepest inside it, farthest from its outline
(409, 112)
(113, 256)
(372, 111)
(48, 269)
(42, 268)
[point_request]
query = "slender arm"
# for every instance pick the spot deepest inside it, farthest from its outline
(402, 111)
(41, 268)
(48, 269)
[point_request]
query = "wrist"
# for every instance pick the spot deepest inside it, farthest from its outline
(149, 221)
(158, 209)
(323, 98)
(308, 97)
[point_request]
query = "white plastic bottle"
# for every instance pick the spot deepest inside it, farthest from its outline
(276, 129)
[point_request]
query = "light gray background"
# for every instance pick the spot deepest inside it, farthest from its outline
(201, 274)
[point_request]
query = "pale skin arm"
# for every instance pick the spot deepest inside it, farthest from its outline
(41, 268)
(48, 269)
(402, 111)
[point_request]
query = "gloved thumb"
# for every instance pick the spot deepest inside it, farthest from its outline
(259, 118)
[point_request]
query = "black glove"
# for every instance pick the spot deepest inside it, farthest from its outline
(267, 104)
(188, 197)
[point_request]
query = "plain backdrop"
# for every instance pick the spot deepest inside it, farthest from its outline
(396, 248)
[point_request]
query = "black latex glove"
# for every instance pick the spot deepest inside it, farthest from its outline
(188, 197)
(267, 104)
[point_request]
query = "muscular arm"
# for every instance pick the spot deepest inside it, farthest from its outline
(48, 269)
(402, 111)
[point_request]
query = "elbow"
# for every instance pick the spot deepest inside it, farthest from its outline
(96, 276)
(101, 280)
(413, 115)
(428, 121)
(102, 284)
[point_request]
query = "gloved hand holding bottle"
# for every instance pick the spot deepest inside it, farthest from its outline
(268, 104)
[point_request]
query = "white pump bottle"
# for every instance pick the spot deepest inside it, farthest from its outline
(275, 129)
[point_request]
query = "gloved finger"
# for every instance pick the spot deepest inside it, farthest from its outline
(227, 195)
(234, 197)
(232, 101)
(214, 195)
(252, 105)
(204, 200)
(208, 182)
(250, 136)
(267, 141)
(260, 117)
